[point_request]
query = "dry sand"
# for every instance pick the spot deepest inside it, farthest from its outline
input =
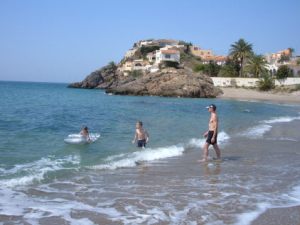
(249, 94)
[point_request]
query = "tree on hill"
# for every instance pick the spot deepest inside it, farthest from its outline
(187, 46)
(284, 58)
(147, 49)
(112, 65)
(292, 50)
(256, 66)
(241, 51)
(211, 69)
(230, 69)
(283, 72)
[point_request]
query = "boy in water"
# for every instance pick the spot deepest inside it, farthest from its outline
(141, 135)
(85, 133)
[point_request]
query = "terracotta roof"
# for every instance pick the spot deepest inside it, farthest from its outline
(170, 51)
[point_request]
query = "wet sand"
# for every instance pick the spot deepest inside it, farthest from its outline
(249, 94)
(279, 216)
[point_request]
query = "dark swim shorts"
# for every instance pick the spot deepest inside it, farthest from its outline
(141, 143)
(209, 137)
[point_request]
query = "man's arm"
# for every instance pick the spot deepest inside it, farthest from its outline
(135, 137)
(215, 119)
(147, 136)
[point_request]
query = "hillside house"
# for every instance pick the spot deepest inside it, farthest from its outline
(151, 56)
(171, 55)
(203, 54)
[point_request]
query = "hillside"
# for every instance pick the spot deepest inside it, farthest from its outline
(153, 67)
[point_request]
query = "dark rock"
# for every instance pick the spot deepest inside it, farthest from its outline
(168, 82)
(102, 78)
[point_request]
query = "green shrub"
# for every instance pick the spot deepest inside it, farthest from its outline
(283, 72)
(266, 83)
(228, 70)
(211, 69)
(147, 49)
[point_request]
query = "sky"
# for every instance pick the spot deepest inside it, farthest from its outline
(65, 40)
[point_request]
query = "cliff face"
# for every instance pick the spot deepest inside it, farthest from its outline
(168, 82)
(102, 78)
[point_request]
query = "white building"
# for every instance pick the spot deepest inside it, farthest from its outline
(170, 55)
(151, 56)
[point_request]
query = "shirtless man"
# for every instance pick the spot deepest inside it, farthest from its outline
(212, 134)
(141, 135)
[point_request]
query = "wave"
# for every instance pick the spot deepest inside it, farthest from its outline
(133, 159)
(223, 137)
(266, 125)
(257, 131)
(249, 217)
(284, 119)
(293, 198)
(149, 154)
(25, 174)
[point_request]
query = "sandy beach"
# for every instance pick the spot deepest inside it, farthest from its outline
(248, 94)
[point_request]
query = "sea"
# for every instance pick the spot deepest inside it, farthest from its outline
(44, 180)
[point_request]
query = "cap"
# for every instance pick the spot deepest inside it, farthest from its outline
(214, 107)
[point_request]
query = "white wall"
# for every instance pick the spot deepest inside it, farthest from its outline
(249, 82)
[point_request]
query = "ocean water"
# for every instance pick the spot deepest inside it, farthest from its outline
(46, 181)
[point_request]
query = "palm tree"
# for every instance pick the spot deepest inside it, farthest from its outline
(291, 51)
(241, 51)
(256, 65)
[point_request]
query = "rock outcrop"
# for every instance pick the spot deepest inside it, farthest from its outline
(102, 78)
(168, 82)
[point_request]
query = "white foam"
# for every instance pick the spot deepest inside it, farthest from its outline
(265, 126)
(284, 119)
(80, 139)
(294, 195)
(248, 217)
(293, 198)
(131, 160)
(13, 203)
(36, 171)
(148, 155)
(223, 137)
(257, 131)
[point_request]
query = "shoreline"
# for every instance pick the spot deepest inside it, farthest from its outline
(254, 95)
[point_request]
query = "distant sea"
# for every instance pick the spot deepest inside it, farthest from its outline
(46, 181)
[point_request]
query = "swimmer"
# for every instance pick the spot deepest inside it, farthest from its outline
(141, 135)
(85, 133)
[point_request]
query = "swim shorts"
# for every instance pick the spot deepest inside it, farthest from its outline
(209, 137)
(141, 143)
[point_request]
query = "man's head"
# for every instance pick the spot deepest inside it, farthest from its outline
(139, 124)
(211, 107)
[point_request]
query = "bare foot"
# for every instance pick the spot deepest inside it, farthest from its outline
(202, 160)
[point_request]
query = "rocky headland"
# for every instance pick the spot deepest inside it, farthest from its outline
(145, 77)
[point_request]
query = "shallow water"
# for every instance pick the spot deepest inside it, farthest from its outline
(44, 180)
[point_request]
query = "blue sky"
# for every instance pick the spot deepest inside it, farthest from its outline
(65, 40)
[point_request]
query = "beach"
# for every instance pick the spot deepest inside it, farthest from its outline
(46, 181)
(250, 94)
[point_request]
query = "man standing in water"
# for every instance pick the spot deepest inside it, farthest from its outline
(212, 134)
(141, 135)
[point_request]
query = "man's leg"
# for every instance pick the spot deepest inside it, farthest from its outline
(205, 153)
(218, 152)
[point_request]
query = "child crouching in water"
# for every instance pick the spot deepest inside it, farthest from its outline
(141, 135)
